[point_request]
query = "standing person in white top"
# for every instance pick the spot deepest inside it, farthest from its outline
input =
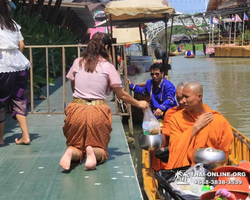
(13, 73)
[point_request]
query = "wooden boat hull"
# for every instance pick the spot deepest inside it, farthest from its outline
(192, 56)
(239, 151)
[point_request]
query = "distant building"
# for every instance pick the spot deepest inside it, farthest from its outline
(229, 4)
(180, 38)
(222, 4)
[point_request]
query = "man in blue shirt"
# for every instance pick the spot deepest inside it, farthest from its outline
(160, 90)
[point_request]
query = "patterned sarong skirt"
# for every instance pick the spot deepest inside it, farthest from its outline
(87, 125)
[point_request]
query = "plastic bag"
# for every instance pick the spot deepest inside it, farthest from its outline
(191, 180)
(165, 178)
(150, 124)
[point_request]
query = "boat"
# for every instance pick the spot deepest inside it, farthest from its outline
(240, 150)
(191, 56)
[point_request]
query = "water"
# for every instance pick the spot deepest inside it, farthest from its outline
(226, 88)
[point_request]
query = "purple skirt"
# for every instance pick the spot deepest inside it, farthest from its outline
(12, 88)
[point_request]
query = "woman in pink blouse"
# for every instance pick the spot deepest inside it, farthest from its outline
(88, 118)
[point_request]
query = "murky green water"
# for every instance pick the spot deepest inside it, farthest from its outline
(226, 86)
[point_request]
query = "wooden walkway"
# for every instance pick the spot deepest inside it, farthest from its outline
(32, 172)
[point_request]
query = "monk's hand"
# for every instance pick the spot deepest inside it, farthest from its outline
(143, 105)
(204, 120)
(158, 112)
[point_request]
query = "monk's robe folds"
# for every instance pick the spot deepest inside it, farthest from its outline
(157, 164)
(166, 127)
(217, 134)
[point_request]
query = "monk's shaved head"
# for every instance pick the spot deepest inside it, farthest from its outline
(196, 87)
(179, 89)
(192, 94)
(181, 85)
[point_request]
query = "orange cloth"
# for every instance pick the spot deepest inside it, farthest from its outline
(217, 134)
(83, 127)
(166, 128)
(157, 164)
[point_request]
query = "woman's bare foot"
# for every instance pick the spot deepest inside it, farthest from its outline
(90, 163)
(22, 141)
(66, 159)
(1, 142)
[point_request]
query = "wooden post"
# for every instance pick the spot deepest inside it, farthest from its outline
(47, 10)
(65, 17)
(69, 18)
(72, 22)
(130, 121)
(31, 2)
(141, 39)
(57, 6)
(165, 59)
(113, 59)
(31, 82)
(47, 78)
(64, 77)
(170, 38)
(40, 6)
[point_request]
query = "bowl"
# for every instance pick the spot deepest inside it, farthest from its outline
(150, 142)
(209, 157)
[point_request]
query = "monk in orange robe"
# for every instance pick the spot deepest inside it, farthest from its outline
(166, 128)
(196, 126)
(157, 164)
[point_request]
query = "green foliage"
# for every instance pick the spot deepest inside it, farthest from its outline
(38, 32)
(246, 37)
(198, 47)
(173, 47)
(179, 30)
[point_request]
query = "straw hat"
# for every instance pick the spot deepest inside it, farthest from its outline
(239, 190)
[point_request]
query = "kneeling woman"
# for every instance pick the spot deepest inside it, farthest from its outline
(88, 118)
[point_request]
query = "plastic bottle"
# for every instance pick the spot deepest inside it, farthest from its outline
(146, 127)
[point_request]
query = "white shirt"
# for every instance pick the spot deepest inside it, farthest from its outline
(11, 59)
(10, 39)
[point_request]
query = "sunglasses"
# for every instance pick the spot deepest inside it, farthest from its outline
(152, 74)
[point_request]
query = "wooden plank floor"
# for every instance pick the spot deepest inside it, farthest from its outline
(32, 172)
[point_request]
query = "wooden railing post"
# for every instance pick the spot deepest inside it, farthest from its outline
(64, 77)
(47, 78)
(31, 82)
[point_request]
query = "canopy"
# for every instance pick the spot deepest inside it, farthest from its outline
(138, 10)
(227, 20)
(127, 35)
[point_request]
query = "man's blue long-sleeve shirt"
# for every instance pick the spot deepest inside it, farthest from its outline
(162, 96)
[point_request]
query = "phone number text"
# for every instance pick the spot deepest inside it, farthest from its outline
(218, 182)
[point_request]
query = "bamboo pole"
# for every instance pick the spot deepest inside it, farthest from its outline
(129, 111)
(230, 30)
(78, 52)
(64, 77)
(212, 35)
(209, 34)
(235, 32)
(31, 82)
(243, 30)
(55, 46)
(141, 39)
(219, 35)
(47, 78)
(113, 59)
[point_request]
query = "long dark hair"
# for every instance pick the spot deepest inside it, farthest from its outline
(95, 49)
(5, 18)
